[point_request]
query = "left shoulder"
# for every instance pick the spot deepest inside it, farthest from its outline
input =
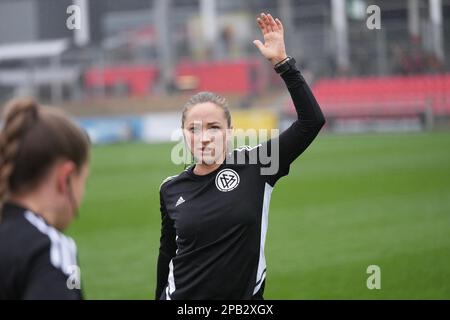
(61, 249)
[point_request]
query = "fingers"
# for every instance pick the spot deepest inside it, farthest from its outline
(279, 24)
(259, 45)
(262, 26)
(272, 23)
(267, 23)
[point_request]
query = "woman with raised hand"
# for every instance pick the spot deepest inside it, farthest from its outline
(215, 213)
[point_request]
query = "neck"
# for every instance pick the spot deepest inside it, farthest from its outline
(37, 206)
(202, 169)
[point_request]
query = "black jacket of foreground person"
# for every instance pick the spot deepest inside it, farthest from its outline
(36, 260)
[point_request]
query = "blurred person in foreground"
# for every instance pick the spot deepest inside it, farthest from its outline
(43, 169)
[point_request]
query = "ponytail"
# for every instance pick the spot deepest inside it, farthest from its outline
(19, 116)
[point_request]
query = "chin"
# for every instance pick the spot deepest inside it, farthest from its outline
(208, 160)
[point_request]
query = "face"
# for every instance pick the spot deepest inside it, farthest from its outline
(79, 183)
(206, 132)
(75, 184)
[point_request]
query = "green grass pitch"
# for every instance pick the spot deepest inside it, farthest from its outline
(350, 201)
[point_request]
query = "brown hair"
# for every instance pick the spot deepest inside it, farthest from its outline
(31, 140)
(203, 97)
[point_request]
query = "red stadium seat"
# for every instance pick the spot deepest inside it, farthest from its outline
(382, 96)
(139, 78)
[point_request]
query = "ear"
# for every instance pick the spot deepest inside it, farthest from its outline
(64, 171)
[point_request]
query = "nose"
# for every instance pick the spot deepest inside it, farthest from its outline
(205, 136)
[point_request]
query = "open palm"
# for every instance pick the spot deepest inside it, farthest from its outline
(273, 48)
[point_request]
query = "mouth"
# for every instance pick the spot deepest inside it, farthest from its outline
(206, 150)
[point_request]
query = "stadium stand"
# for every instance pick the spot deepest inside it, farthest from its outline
(138, 80)
(235, 77)
(383, 96)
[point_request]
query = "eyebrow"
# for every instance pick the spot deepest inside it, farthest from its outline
(208, 123)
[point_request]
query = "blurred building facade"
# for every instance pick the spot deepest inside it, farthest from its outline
(159, 41)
